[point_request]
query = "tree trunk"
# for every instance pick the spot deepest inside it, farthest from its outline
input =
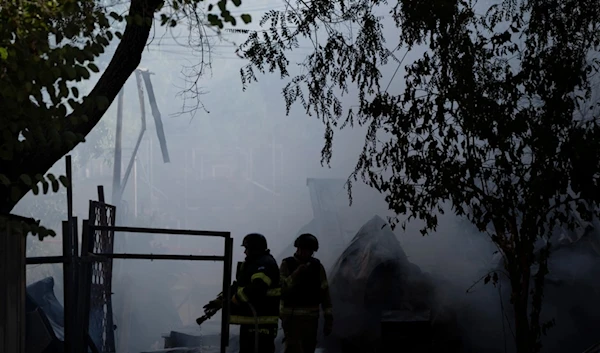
(522, 326)
(125, 60)
(12, 288)
(520, 295)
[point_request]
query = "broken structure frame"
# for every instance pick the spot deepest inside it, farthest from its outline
(120, 180)
(119, 183)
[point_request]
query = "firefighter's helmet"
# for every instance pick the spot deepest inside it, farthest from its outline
(255, 242)
(307, 241)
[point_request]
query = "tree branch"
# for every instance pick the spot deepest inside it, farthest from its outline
(125, 60)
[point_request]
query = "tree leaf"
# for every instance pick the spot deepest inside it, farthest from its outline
(55, 185)
(116, 16)
(35, 189)
(93, 67)
(15, 193)
(246, 18)
(4, 180)
(26, 179)
(45, 186)
(64, 181)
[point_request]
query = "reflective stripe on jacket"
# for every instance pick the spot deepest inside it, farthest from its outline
(258, 284)
(302, 294)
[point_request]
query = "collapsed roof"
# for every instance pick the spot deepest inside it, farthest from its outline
(373, 278)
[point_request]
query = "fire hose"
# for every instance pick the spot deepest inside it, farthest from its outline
(209, 313)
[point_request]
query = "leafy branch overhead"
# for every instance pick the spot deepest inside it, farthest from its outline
(46, 49)
(486, 119)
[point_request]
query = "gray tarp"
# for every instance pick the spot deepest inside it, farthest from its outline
(41, 294)
(372, 276)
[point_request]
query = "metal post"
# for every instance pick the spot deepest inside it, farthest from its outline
(116, 197)
(69, 172)
(70, 268)
(83, 307)
(100, 194)
(67, 288)
(135, 191)
(78, 342)
(156, 114)
(227, 264)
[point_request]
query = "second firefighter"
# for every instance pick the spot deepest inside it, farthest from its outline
(304, 289)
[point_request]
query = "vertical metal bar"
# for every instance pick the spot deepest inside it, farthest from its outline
(69, 171)
(138, 80)
(78, 342)
(67, 287)
(101, 193)
(135, 191)
(227, 264)
(116, 197)
(85, 279)
(70, 252)
(160, 132)
(75, 241)
(138, 143)
(151, 171)
(108, 269)
(76, 283)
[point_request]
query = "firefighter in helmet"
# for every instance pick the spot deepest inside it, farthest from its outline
(304, 289)
(255, 302)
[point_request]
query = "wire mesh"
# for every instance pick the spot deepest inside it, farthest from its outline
(101, 319)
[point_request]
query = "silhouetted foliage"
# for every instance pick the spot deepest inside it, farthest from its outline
(46, 47)
(487, 122)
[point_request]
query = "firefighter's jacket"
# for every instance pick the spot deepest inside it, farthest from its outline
(257, 283)
(302, 295)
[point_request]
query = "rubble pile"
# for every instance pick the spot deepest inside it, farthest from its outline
(375, 289)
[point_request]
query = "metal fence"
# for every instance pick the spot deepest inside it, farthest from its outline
(100, 280)
(88, 316)
(95, 252)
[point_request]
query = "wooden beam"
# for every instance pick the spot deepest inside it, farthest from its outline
(12, 290)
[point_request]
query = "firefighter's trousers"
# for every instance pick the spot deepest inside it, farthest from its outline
(266, 338)
(300, 333)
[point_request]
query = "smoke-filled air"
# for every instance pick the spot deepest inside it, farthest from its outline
(425, 176)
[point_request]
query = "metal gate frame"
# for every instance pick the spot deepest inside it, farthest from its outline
(96, 266)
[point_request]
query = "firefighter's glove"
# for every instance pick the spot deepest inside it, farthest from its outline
(213, 305)
(328, 325)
